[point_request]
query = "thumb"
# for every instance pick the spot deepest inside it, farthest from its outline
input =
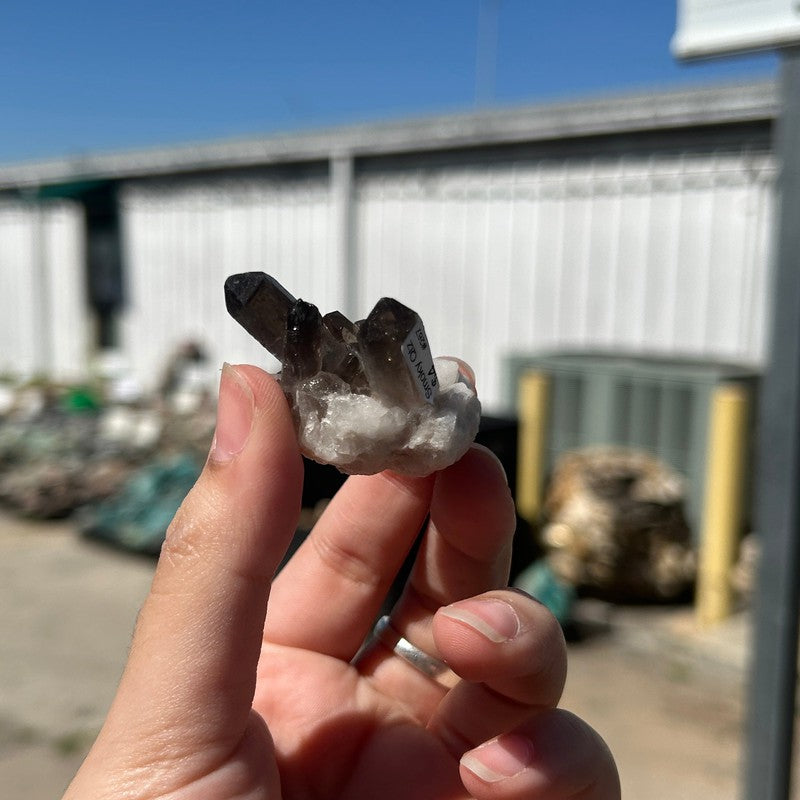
(192, 667)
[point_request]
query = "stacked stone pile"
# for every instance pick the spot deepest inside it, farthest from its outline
(615, 525)
(65, 448)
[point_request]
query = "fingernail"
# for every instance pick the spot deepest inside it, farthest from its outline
(234, 416)
(494, 619)
(499, 759)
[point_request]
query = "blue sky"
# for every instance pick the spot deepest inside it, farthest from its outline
(84, 75)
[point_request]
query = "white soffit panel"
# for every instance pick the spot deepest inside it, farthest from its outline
(718, 27)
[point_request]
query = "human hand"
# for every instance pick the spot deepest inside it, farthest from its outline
(216, 703)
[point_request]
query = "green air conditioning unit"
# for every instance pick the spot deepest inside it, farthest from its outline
(658, 405)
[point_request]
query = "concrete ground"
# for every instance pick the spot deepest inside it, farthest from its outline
(667, 699)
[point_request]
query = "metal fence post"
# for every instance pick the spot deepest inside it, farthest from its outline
(770, 726)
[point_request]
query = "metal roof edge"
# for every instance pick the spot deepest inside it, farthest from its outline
(642, 111)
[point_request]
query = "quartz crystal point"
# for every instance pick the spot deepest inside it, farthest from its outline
(385, 339)
(365, 396)
(260, 305)
(302, 349)
(341, 352)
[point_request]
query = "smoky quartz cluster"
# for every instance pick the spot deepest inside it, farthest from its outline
(367, 395)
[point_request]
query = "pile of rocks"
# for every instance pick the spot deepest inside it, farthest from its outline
(615, 525)
(63, 447)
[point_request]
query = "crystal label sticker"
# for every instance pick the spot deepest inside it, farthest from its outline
(419, 360)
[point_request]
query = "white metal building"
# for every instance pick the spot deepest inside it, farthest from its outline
(639, 224)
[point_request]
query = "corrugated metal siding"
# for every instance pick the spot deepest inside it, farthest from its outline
(44, 324)
(180, 242)
(659, 253)
(663, 254)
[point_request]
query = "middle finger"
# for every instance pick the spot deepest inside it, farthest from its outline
(466, 551)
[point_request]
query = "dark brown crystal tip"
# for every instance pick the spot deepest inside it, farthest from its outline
(260, 305)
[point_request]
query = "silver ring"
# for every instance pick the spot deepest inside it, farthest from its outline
(428, 665)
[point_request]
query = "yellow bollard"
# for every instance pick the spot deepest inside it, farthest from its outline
(722, 507)
(531, 439)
